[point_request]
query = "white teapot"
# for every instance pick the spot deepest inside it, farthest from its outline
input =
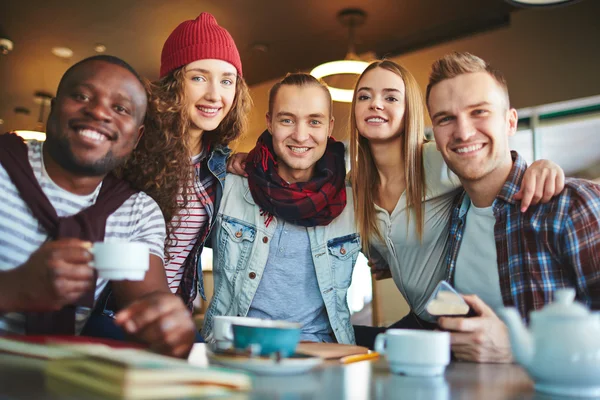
(561, 350)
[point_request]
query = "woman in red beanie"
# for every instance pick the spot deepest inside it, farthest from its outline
(197, 107)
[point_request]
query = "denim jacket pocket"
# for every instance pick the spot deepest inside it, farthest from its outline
(235, 243)
(343, 252)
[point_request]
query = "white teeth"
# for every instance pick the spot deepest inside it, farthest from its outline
(91, 134)
(208, 110)
(379, 120)
(299, 149)
(469, 149)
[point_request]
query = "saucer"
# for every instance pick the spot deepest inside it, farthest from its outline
(566, 390)
(295, 364)
(420, 370)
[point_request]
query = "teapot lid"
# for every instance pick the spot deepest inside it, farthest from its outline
(564, 306)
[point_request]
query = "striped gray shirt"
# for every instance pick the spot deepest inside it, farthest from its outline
(138, 220)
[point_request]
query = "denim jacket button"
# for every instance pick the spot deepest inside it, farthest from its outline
(342, 251)
(252, 275)
(238, 234)
(265, 239)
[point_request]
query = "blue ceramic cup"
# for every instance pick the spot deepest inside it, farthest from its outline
(267, 337)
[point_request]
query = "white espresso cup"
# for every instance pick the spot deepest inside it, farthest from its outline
(121, 260)
(222, 332)
(415, 352)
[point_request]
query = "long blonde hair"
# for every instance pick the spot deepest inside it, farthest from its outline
(364, 177)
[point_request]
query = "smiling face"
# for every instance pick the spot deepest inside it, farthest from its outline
(471, 123)
(96, 119)
(380, 105)
(300, 123)
(209, 92)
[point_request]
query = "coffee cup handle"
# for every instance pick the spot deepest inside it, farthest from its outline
(380, 343)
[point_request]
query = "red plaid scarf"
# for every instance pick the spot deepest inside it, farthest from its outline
(316, 202)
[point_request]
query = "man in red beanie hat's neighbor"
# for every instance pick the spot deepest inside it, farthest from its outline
(197, 107)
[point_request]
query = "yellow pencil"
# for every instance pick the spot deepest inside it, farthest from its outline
(359, 357)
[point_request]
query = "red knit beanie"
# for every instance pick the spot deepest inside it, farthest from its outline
(198, 39)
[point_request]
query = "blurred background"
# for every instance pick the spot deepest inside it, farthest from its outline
(549, 56)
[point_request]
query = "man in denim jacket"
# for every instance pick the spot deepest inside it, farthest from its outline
(285, 239)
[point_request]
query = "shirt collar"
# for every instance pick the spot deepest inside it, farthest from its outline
(513, 182)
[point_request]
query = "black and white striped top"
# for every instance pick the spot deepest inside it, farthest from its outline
(139, 219)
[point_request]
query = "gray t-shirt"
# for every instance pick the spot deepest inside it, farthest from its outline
(288, 289)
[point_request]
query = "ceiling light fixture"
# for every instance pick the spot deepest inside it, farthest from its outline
(62, 52)
(351, 64)
(539, 3)
(99, 48)
(43, 99)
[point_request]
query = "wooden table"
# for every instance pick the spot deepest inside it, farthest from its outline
(23, 379)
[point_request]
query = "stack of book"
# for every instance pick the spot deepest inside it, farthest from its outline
(128, 373)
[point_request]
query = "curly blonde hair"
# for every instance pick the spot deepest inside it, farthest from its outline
(160, 165)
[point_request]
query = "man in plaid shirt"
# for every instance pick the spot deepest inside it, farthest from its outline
(502, 256)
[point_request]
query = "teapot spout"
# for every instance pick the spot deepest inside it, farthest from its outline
(520, 338)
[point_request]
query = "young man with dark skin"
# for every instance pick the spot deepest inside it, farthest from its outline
(95, 122)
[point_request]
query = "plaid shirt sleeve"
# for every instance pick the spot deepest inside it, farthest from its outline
(580, 239)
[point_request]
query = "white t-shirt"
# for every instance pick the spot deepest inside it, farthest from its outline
(477, 264)
(417, 267)
(139, 219)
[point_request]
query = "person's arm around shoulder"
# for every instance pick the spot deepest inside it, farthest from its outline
(439, 179)
(152, 313)
(543, 179)
(236, 164)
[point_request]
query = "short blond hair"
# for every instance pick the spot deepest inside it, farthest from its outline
(458, 63)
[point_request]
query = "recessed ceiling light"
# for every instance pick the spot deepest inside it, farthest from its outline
(1, 121)
(62, 52)
(99, 48)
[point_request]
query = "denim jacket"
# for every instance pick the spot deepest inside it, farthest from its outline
(217, 164)
(241, 242)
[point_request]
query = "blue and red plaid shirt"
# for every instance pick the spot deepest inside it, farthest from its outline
(550, 246)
